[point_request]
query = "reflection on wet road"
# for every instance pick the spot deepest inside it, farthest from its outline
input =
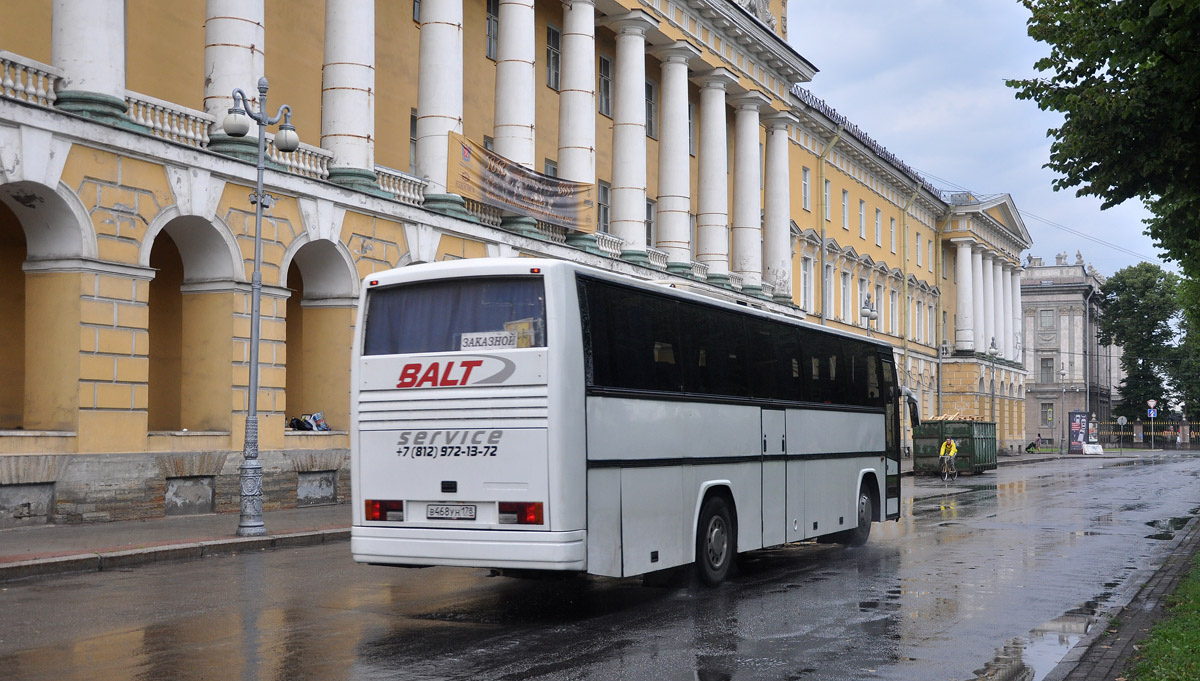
(994, 576)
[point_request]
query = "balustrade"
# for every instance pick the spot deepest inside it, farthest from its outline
(167, 120)
(28, 80)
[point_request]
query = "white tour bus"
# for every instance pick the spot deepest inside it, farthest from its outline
(539, 415)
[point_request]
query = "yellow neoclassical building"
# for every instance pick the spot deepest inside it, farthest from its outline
(126, 231)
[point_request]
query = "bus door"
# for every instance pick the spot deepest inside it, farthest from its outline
(891, 400)
(774, 478)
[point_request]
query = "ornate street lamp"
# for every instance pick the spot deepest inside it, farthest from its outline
(237, 124)
(868, 313)
(1062, 424)
(992, 351)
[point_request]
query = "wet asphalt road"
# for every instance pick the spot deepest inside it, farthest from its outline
(1003, 570)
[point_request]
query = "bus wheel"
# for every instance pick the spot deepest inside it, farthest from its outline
(716, 541)
(866, 512)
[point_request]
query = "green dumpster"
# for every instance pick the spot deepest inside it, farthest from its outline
(976, 446)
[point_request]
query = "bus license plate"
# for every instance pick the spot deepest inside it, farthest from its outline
(455, 512)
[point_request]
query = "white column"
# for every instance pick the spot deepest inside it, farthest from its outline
(439, 89)
(348, 88)
(746, 222)
(1018, 317)
(977, 302)
(234, 53)
(674, 161)
(516, 94)
(777, 233)
(989, 303)
(88, 43)
(628, 211)
(998, 301)
(577, 98)
(712, 213)
(1006, 349)
(964, 330)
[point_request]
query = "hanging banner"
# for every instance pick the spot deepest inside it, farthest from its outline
(491, 179)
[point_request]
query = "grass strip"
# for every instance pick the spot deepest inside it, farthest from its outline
(1172, 650)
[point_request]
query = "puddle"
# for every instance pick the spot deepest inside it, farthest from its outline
(1032, 657)
(1166, 528)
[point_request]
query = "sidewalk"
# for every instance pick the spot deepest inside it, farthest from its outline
(58, 549)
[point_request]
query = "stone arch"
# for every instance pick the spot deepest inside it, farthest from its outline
(319, 319)
(55, 221)
(197, 289)
(208, 248)
(327, 267)
(45, 235)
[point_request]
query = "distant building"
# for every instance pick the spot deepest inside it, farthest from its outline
(1069, 370)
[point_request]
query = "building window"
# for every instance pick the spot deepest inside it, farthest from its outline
(845, 210)
(892, 233)
(918, 249)
(1046, 319)
(930, 261)
(1046, 370)
(551, 168)
(651, 109)
(878, 227)
(859, 300)
(846, 297)
(806, 283)
(417, 11)
(825, 196)
(878, 306)
(553, 55)
(1047, 413)
(804, 187)
(604, 86)
(603, 197)
(493, 27)
(893, 313)
(944, 265)
(862, 219)
(412, 142)
(651, 211)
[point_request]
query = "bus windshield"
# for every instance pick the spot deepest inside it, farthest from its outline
(485, 313)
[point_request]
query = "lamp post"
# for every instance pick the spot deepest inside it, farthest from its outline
(868, 313)
(992, 351)
(237, 124)
(1062, 425)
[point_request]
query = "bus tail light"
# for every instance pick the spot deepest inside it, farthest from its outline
(521, 513)
(385, 510)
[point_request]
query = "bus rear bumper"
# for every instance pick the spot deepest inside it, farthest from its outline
(514, 550)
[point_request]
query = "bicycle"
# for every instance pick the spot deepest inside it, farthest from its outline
(949, 470)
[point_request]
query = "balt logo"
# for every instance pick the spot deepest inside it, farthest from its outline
(463, 370)
(435, 376)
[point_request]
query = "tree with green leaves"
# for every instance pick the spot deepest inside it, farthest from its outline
(1139, 310)
(1126, 76)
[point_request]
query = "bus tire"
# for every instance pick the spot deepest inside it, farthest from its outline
(716, 541)
(866, 513)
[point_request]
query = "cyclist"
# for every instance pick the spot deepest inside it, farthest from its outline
(949, 448)
(946, 457)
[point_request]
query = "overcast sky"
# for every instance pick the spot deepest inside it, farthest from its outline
(925, 78)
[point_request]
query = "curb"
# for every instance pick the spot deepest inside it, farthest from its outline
(1088, 649)
(116, 560)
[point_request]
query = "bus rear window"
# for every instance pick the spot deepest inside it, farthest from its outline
(476, 314)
